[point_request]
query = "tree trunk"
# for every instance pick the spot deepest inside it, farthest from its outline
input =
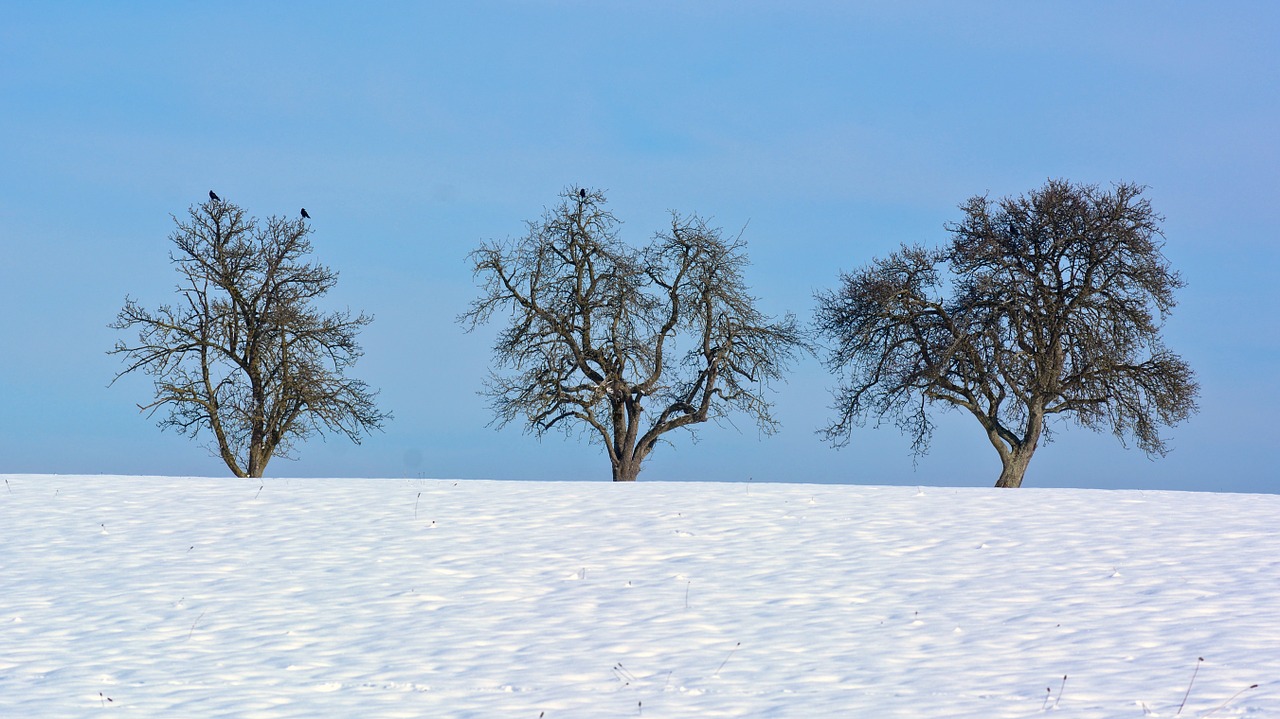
(626, 470)
(259, 455)
(1015, 453)
(627, 454)
(1015, 466)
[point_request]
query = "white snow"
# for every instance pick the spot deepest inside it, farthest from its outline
(183, 597)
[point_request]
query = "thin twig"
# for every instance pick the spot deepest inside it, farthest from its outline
(1233, 697)
(193, 626)
(1193, 681)
(726, 659)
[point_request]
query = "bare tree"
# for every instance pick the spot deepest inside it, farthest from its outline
(595, 326)
(1056, 301)
(243, 353)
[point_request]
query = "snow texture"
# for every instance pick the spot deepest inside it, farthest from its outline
(183, 597)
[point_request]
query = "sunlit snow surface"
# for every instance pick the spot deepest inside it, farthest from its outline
(172, 597)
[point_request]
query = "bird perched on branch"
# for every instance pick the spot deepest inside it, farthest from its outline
(305, 216)
(582, 193)
(213, 196)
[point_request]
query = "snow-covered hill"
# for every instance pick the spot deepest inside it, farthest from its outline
(179, 597)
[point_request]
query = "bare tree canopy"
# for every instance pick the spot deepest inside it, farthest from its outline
(243, 353)
(1046, 304)
(596, 326)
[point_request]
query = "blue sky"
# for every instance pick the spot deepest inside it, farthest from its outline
(834, 132)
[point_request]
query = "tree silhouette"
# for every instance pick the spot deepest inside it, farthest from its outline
(1045, 305)
(243, 353)
(595, 325)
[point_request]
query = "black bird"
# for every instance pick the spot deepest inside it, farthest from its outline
(582, 194)
(213, 196)
(305, 216)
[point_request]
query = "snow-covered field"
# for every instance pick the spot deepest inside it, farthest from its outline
(177, 597)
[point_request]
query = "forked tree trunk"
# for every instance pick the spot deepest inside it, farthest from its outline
(1014, 459)
(627, 453)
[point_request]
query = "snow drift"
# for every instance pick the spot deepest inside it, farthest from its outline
(169, 597)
